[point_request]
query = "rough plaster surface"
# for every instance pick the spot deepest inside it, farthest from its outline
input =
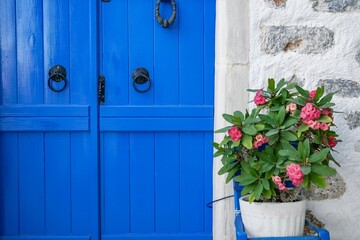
(338, 69)
(335, 188)
(276, 3)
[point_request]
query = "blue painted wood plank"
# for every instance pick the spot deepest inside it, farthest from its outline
(166, 60)
(167, 176)
(208, 179)
(192, 201)
(31, 183)
(141, 53)
(19, 110)
(45, 237)
(157, 111)
(115, 51)
(57, 183)
(209, 51)
(9, 184)
(142, 205)
(44, 124)
(156, 124)
(198, 236)
(116, 183)
(30, 51)
(56, 45)
(191, 63)
(8, 73)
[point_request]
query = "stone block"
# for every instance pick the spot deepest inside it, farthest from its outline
(343, 88)
(335, 188)
(336, 5)
(353, 119)
(300, 39)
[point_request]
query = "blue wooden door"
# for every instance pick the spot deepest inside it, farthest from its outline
(48, 140)
(156, 156)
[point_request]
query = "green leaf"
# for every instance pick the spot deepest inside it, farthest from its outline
(227, 167)
(317, 179)
(252, 197)
(271, 132)
(235, 144)
(303, 127)
(302, 91)
(240, 115)
(267, 193)
(326, 105)
(267, 167)
(289, 122)
(323, 170)
(307, 147)
(319, 156)
(281, 115)
(306, 183)
(298, 101)
(292, 155)
(268, 119)
(250, 130)
(273, 139)
(319, 93)
(290, 136)
(306, 169)
(248, 188)
(225, 140)
(301, 150)
(245, 179)
(265, 183)
(327, 98)
(258, 190)
(225, 129)
(246, 141)
(280, 84)
(219, 153)
(271, 83)
(259, 126)
(325, 119)
(231, 174)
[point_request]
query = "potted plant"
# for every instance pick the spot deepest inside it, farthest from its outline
(282, 145)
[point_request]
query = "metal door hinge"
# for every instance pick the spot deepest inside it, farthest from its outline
(101, 89)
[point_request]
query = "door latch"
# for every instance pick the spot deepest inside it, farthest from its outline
(101, 89)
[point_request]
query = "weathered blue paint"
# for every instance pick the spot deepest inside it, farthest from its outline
(137, 167)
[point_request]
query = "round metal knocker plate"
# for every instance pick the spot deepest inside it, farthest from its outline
(140, 76)
(57, 75)
(165, 22)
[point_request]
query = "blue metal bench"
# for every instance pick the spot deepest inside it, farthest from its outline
(322, 234)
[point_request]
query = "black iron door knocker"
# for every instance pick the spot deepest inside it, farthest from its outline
(57, 74)
(140, 76)
(165, 22)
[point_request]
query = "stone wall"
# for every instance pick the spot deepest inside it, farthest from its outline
(317, 42)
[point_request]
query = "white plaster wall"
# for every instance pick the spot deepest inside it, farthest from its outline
(342, 215)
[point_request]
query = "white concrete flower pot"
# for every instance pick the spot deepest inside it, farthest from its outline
(273, 219)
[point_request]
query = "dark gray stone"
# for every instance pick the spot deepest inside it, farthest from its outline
(276, 3)
(300, 39)
(357, 58)
(335, 188)
(336, 5)
(343, 88)
(353, 119)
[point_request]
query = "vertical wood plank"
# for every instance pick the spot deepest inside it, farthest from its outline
(167, 194)
(166, 60)
(142, 183)
(30, 51)
(31, 182)
(116, 51)
(84, 148)
(116, 188)
(9, 184)
(57, 183)
(8, 84)
(192, 202)
(209, 51)
(208, 166)
(141, 41)
(191, 34)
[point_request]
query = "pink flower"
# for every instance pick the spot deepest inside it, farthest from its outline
(328, 112)
(324, 126)
(260, 140)
(309, 112)
(295, 174)
(277, 180)
(259, 99)
(235, 133)
(314, 124)
(291, 107)
(312, 94)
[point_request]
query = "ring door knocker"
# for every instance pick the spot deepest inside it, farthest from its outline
(140, 76)
(165, 22)
(57, 74)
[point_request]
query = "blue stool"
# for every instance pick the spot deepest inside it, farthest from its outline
(322, 234)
